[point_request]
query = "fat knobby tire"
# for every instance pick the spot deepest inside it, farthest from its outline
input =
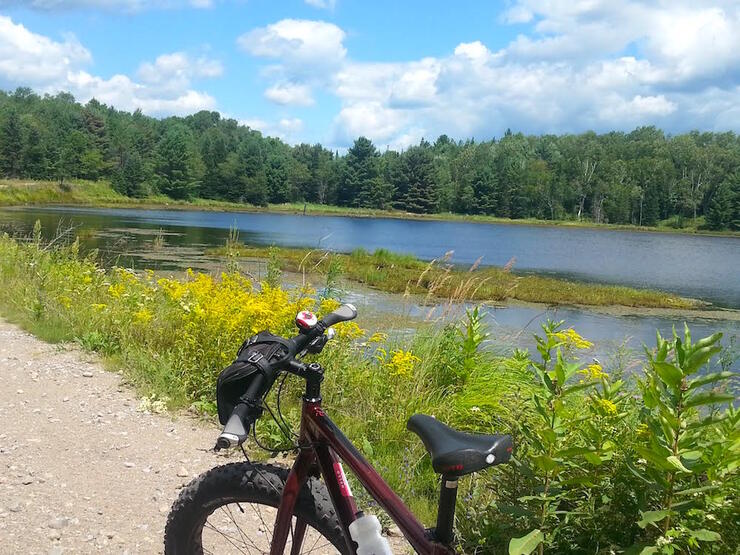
(245, 482)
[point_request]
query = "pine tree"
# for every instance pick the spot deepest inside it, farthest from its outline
(720, 211)
(417, 170)
(11, 145)
(130, 178)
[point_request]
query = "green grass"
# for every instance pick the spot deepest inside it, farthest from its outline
(401, 273)
(99, 193)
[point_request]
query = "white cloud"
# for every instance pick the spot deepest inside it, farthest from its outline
(26, 57)
(322, 4)
(295, 94)
(49, 66)
(113, 5)
(302, 46)
(592, 64)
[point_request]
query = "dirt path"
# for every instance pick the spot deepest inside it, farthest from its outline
(82, 470)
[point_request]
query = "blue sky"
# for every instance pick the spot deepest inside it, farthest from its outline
(330, 70)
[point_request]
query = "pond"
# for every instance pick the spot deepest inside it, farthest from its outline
(700, 266)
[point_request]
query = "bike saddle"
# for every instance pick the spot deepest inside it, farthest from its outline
(456, 453)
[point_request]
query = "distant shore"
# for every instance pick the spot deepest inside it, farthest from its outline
(24, 192)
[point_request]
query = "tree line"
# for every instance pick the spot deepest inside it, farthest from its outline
(640, 178)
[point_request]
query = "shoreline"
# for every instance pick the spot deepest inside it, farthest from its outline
(20, 193)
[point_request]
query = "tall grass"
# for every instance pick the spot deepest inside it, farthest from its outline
(440, 279)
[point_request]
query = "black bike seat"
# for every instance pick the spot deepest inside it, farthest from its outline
(457, 453)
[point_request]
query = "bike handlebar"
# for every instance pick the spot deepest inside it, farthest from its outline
(246, 412)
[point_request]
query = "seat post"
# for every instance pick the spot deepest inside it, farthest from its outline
(446, 513)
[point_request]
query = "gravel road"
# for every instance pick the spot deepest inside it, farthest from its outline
(82, 469)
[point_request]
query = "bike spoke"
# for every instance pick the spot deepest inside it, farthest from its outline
(230, 531)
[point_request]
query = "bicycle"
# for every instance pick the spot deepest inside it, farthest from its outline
(294, 509)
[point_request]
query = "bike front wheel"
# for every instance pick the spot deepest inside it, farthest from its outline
(232, 509)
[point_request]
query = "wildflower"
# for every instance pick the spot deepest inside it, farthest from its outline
(594, 372)
(99, 306)
(607, 406)
(378, 337)
(143, 316)
(402, 363)
(572, 338)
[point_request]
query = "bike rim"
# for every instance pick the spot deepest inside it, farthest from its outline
(246, 528)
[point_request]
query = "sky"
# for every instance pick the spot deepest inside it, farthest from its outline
(395, 71)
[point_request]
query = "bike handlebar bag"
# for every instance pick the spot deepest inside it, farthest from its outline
(257, 354)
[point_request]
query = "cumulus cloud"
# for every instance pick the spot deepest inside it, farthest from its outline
(575, 66)
(290, 93)
(297, 43)
(163, 87)
(306, 53)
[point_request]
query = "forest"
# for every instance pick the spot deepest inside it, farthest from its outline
(642, 177)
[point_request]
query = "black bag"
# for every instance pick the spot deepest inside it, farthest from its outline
(257, 354)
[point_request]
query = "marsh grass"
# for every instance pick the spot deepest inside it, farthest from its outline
(441, 280)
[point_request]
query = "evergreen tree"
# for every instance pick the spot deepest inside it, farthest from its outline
(11, 145)
(362, 169)
(176, 164)
(417, 170)
(130, 178)
(720, 212)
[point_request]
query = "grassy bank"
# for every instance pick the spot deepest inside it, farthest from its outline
(100, 193)
(398, 273)
(603, 463)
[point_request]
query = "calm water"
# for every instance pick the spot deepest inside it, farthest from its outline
(705, 267)
(696, 266)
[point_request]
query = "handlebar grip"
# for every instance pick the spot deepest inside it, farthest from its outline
(237, 428)
(342, 314)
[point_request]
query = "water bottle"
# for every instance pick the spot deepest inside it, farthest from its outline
(365, 531)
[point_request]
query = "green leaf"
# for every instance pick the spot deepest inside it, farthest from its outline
(691, 455)
(692, 491)
(649, 550)
(593, 458)
(710, 378)
(649, 455)
(699, 358)
(669, 374)
(649, 517)
(545, 463)
(677, 464)
(526, 544)
(577, 387)
(707, 341)
(707, 398)
(705, 535)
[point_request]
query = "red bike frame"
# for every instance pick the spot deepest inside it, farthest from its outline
(330, 447)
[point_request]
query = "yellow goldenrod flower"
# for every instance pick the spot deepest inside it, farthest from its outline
(572, 338)
(402, 363)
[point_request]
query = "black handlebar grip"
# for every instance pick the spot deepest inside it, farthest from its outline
(342, 314)
(237, 428)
